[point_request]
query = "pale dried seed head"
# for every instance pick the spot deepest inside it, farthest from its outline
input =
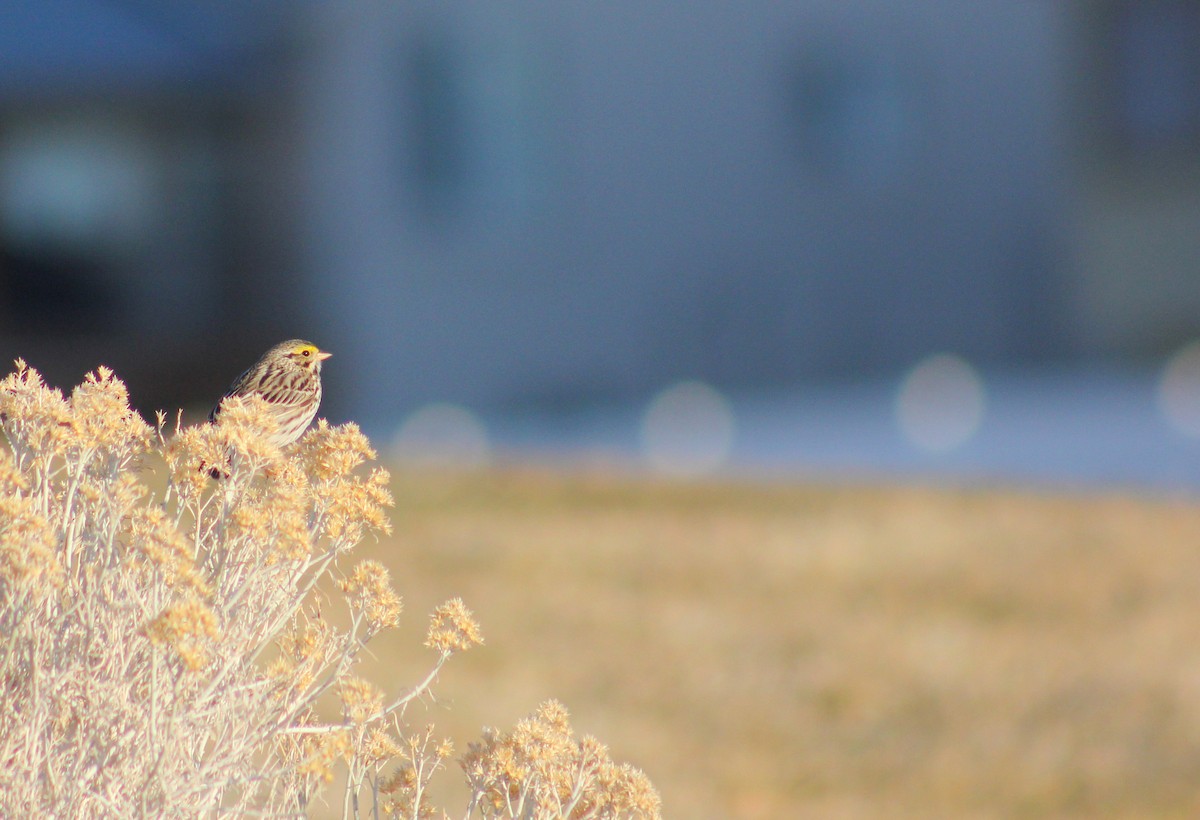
(540, 757)
(452, 628)
(11, 479)
(28, 541)
(101, 415)
(189, 627)
(361, 700)
(246, 432)
(369, 589)
(328, 452)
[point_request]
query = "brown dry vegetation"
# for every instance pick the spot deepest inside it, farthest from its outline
(166, 652)
(771, 652)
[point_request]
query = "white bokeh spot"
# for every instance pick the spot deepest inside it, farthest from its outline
(688, 430)
(443, 433)
(941, 403)
(1179, 390)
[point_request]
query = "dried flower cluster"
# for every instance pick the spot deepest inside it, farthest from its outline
(164, 654)
(540, 770)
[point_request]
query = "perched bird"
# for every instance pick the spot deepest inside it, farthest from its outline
(288, 377)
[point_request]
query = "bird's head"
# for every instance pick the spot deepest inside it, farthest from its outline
(304, 354)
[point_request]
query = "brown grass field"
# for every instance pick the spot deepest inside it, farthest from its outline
(768, 651)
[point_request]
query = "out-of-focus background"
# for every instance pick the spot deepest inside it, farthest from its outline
(803, 237)
(820, 240)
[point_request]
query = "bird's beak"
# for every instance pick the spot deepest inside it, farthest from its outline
(323, 355)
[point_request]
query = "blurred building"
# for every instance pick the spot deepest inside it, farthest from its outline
(1133, 159)
(140, 226)
(587, 199)
(556, 203)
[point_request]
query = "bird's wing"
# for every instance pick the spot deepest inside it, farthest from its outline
(264, 382)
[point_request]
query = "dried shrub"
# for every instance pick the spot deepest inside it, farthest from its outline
(164, 654)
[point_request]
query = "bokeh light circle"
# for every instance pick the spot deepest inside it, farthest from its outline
(443, 433)
(940, 404)
(1179, 390)
(688, 430)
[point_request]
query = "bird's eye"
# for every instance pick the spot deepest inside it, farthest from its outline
(306, 352)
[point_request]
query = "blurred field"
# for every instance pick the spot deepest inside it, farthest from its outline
(772, 652)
